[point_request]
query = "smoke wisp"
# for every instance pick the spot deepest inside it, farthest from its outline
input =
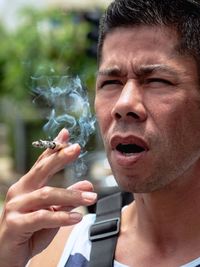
(67, 106)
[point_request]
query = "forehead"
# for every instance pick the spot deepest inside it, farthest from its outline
(149, 45)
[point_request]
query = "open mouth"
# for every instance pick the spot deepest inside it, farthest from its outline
(129, 149)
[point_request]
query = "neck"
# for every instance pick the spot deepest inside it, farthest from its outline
(167, 217)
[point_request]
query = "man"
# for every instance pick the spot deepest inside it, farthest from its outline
(148, 108)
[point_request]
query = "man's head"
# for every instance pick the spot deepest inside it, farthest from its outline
(147, 95)
(181, 15)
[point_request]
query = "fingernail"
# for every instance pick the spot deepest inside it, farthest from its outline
(74, 216)
(91, 196)
(77, 184)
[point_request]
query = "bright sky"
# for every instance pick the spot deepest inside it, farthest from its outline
(9, 8)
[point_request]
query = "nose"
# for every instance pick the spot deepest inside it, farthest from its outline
(129, 105)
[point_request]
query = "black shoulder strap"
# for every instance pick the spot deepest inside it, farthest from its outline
(105, 230)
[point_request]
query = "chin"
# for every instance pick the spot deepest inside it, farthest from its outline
(135, 184)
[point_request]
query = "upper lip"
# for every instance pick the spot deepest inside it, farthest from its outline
(130, 139)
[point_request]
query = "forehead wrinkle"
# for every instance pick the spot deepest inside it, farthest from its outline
(139, 71)
(153, 68)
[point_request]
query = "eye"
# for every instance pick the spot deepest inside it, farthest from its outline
(158, 80)
(110, 82)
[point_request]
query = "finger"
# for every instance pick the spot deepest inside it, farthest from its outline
(82, 186)
(47, 197)
(39, 175)
(63, 138)
(47, 219)
(41, 219)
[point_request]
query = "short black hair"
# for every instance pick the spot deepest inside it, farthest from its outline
(181, 15)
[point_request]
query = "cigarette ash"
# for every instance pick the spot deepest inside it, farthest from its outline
(67, 106)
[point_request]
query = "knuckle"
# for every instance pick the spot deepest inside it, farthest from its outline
(8, 207)
(72, 194)
(74, 197)
(45, 192)
(11, 221)
(11, 192)
(61, 216)
(39, 216)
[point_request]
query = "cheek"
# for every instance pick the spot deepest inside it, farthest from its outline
(170, 112)
(103, 114)
(183, 128)
(104, 120)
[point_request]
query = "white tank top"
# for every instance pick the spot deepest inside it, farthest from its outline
(77, 249)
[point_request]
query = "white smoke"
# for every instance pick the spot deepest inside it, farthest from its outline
(68, 107)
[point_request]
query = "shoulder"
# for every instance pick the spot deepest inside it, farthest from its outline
(64, 243)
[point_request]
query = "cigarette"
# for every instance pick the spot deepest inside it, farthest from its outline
(48, 144)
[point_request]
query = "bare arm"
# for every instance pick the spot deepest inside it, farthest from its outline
(55, 248)
(34, 212)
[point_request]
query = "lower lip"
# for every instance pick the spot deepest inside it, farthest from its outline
(127, 159)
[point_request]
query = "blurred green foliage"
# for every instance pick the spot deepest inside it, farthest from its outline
(44, 40)
(51, 39)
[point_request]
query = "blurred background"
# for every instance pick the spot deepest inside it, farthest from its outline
(35, 35)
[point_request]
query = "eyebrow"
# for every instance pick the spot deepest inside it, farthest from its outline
(139, 71)
(150, 69)
(113, 71)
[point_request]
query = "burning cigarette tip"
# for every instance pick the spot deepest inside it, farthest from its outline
(46, 144)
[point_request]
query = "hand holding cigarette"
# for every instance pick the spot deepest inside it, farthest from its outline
(33, 212)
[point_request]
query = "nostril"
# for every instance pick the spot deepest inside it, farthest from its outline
(118, 116)
(130, 114)
(134, 115)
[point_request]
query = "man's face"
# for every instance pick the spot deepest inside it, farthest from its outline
(148, 108)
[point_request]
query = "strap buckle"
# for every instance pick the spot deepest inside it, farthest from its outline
(104, 229)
